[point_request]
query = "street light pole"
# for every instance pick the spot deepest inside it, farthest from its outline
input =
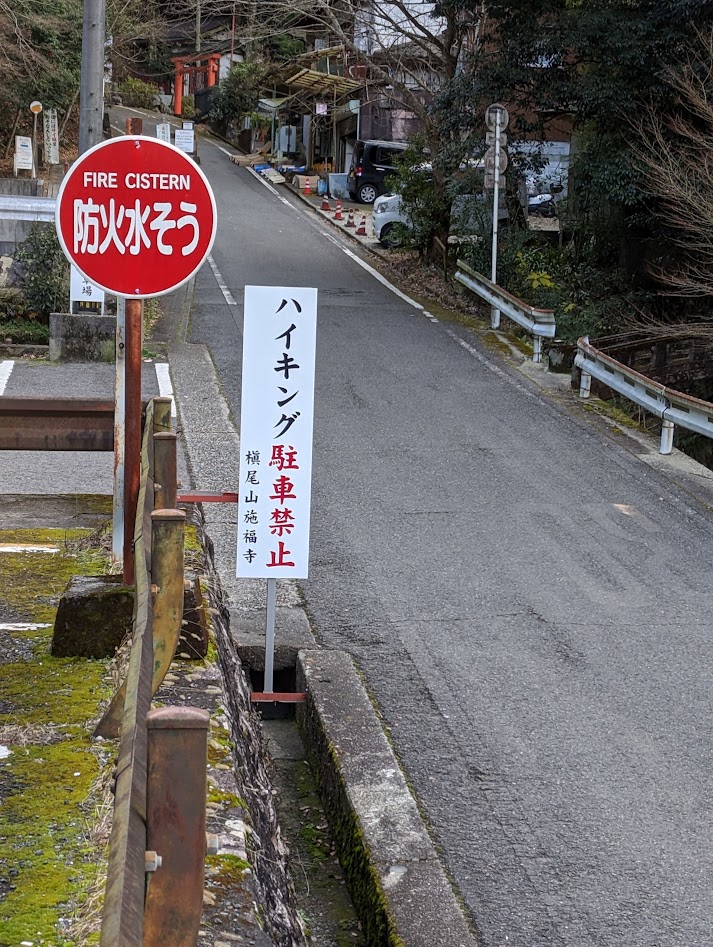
(91, 83)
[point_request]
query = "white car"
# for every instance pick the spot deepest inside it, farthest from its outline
(470, 213)
(389, 220)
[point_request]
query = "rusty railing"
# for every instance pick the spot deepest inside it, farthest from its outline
(154, 889)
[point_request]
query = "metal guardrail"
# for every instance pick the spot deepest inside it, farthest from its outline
(540, 323)
(157, 849)
(18, 207)
(56, 424)
(673, 407)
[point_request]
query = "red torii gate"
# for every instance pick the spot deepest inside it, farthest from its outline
(206, 63)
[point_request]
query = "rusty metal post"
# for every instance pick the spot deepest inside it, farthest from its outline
(132, 447)
(161, 415)
(164, 470)
(176, 824)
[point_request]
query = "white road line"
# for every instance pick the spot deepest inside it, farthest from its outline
(165, 387)
(496, 370)
(23, 625)
(377, 275)
(224, 150)
(221, 282)
(5, 372)
(416, 305)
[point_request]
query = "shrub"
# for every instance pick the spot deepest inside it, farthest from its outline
(587, 299)
(46, 271)
(138, 94)
(24, 332)
(188, 106)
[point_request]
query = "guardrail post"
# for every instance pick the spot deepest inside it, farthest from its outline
(585, 384)
(667, 429)
(537, 350)
(164, 470)
(161, 415)
(176, 824)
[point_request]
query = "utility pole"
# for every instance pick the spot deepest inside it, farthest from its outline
(91, 84)
(198, 26)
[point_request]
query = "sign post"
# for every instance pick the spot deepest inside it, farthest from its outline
(497, 119)
(35, 108)
(137, 218)
(276, 418)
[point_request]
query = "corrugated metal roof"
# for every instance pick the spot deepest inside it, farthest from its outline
(321, 83)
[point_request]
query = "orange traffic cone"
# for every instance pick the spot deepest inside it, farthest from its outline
(338, 211)
(325, 204)
(350, 218)
(308, 187)
(361, 230)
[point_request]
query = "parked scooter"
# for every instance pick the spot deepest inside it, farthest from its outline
(541, 205)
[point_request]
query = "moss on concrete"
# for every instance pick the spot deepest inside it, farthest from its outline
(31, 583)
(44, 853)
(47, 865)
(363, 881)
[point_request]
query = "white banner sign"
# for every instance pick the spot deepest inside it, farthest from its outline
(185, 140)
(23, 153)
(279, 338)
(163, 132)
(82, 291)
(51, 130)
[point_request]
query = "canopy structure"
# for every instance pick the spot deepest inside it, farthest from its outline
(322, 83)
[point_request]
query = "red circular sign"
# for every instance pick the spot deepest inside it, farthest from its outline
(136, 216)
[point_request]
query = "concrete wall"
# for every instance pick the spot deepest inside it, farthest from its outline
(82, 338)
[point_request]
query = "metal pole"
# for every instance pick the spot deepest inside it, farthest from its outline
(495, 313)
(585, 384)
(176, 825)
(537, 353)
(268, 684)
(667, 430)
(34, 144)
(198, 26)
(117, 541)
(91, 83)
(132, 459)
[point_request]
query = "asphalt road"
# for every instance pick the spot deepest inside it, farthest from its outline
(528, 600)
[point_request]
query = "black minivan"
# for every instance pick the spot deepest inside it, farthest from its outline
(372, 163)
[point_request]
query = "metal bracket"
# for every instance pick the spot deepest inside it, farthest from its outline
(278, 698)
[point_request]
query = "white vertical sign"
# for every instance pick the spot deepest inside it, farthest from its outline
(163, 132)
(185, 139)
(82, 291)
(276, 417)
(51, 135)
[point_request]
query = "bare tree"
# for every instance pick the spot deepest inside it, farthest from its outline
(408, 51)
(677, 154)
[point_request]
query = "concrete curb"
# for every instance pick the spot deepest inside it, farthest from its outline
(398, 886)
